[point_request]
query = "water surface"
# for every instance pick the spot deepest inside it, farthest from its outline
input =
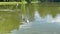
(30, 19)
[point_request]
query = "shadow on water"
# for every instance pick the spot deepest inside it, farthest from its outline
(36, 19)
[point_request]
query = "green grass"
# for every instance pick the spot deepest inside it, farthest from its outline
(14, 3)
(11, 3)
(35, 2)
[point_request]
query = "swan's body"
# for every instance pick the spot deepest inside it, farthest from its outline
(25, 19)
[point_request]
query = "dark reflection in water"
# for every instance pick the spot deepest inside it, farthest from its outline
(36, 19)
(8, 21)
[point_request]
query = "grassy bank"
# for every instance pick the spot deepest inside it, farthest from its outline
(11, 3)
(14, 3)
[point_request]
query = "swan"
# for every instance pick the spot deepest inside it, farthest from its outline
(25, 19)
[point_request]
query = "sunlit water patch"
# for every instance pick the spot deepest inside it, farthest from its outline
(46, 25)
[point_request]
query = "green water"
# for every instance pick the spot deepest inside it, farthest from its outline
(38, 18)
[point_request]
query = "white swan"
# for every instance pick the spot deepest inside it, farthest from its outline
(25, 19)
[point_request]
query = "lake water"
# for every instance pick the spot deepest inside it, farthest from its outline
(38, 18)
